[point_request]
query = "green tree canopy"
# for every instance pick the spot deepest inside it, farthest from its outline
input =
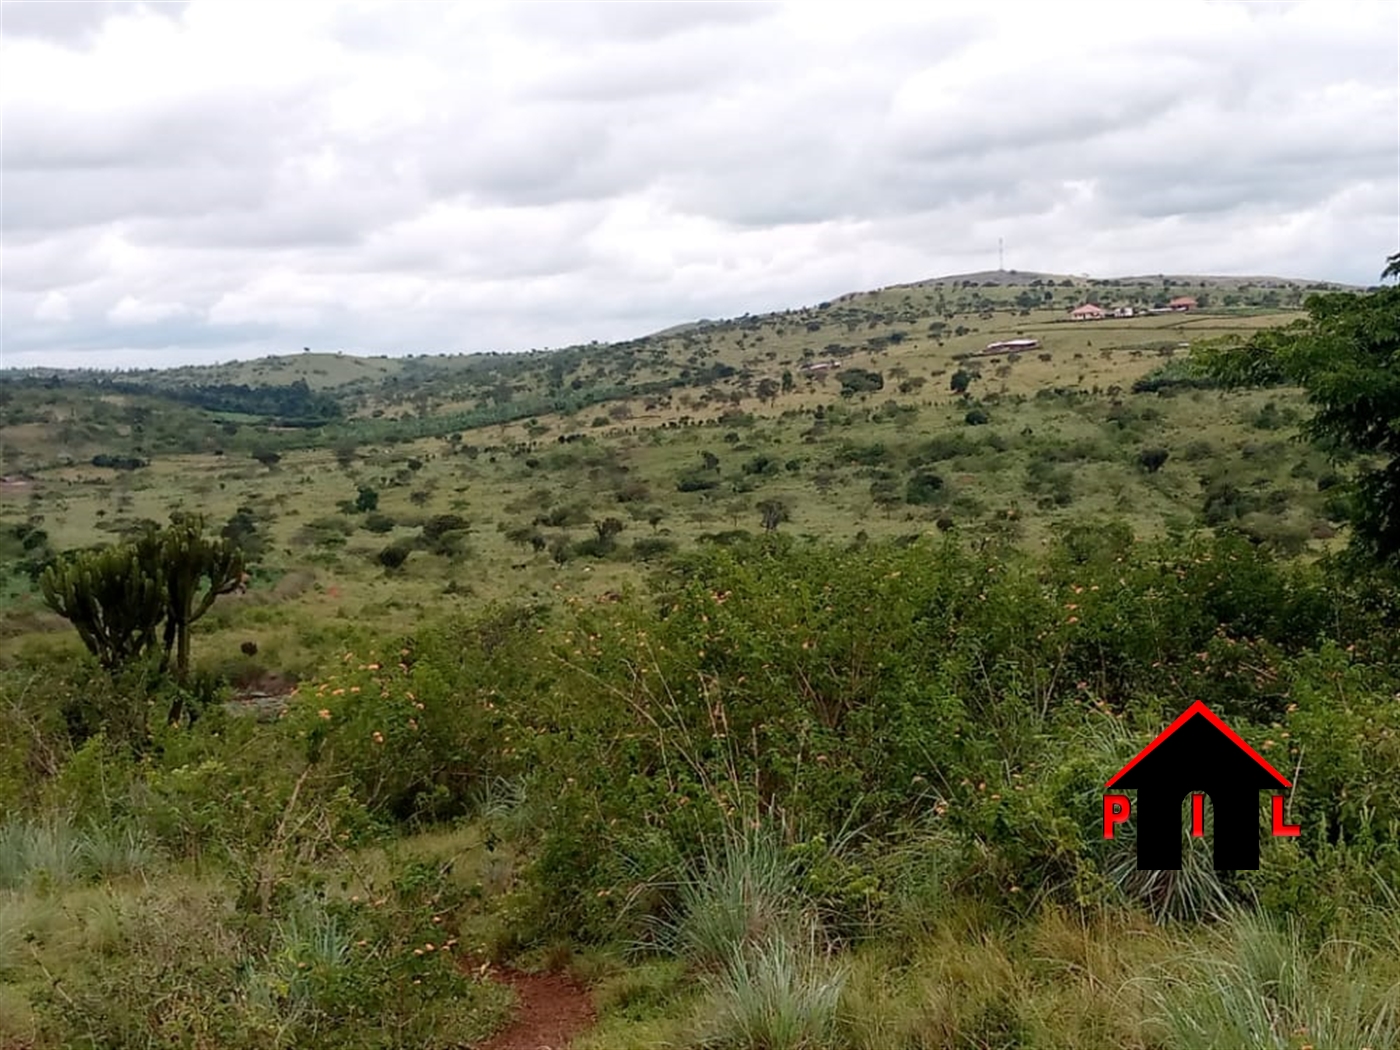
(1346, 356)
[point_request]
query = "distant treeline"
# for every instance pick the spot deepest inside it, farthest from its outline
(291, 405)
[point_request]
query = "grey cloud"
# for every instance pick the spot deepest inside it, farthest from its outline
(71, 24)
(469, 177)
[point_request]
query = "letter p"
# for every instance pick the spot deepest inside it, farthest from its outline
(1116, 810)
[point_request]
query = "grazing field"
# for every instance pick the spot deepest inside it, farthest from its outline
(769, 702)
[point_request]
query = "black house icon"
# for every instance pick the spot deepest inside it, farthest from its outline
(1198, 753)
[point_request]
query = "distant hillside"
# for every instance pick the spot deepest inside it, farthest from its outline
(699, 371)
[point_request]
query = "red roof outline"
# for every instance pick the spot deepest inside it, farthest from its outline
(1199, 708)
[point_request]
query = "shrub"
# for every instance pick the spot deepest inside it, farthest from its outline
(1152, 459)
(650, 547)
(860, 381)
(393, 556)
(923, 488)
(976, 417)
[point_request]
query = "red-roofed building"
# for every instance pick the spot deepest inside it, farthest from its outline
(1088, 312)
(1182, 302)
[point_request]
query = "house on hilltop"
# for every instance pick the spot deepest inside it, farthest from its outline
(1088, 312)
(1198, 753)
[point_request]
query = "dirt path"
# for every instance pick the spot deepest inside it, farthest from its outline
(552, 1009)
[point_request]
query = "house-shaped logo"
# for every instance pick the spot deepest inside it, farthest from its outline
(1197, 755)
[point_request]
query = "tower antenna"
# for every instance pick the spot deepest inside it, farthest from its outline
(1001, 255)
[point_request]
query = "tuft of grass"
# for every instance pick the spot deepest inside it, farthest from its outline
(740, 893)
(1193, 893)
(39, 852)
(774, 994)
(53, 852)
(112, 851)
(1264, 987)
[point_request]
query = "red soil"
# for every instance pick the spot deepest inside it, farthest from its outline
(551, 1010)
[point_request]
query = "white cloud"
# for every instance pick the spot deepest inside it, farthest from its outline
(53, 307)
(192, 181)
(134, 311)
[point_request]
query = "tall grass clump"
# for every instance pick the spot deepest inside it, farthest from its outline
(53, 852)
(114, 850)
(776, 994)
(47, 852)
(738, 893)
(1264, 986)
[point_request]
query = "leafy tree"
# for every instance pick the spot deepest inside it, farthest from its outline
(345, 453)
(768, 390)
(860, 381)
(608, 530)
(267, 457)
(1346, 356)
(960, 381)
(773, 513)
(439, 524)
(242, 531)
(366, 500)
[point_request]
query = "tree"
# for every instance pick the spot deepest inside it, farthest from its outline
(112, 600)
(960, 381)
(774, 512)
(242, 531)
(366, 500)
(117, 598)
(267, 457)
(608, 530)
(197, 570)
(345, 453)
(1346, 356)
(768, 390)
(860, 381)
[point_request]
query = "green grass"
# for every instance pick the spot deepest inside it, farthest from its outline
(775, 993)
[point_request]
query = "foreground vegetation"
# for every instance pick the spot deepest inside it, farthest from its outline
(771, 790)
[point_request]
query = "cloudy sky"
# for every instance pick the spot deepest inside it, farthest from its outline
(203, 181)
